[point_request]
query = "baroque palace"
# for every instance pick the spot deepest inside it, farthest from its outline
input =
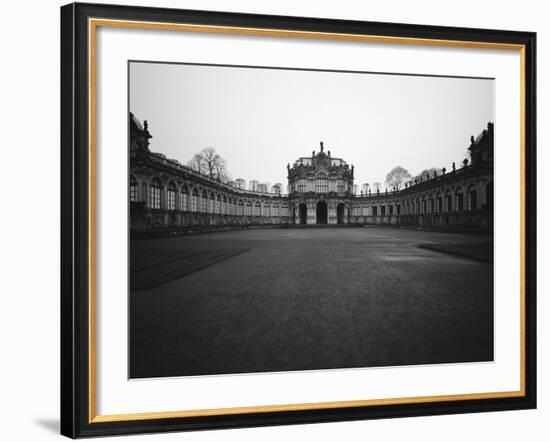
(167, 197)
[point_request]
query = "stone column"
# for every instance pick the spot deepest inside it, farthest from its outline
(164, 203)
(331, 212)
(147, 196)
(311, 213)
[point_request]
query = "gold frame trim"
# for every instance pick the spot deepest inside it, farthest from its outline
(93, 24)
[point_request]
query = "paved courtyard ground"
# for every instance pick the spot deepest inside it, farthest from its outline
(298, 299)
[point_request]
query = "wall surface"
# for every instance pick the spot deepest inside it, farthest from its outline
(29, 226)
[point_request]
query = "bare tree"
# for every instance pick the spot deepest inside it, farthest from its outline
(277, 188)
(221, 172)
(397, 177)
(429, 173)
(365, 188)
(210, 163)
(377, 187)
(262, 187)
(211, 160)
(253, 185)
(240, 183)
(197, 164)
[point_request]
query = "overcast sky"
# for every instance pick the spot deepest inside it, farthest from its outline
(261, 119)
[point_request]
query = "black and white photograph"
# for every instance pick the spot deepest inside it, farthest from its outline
(286, 219)
(275, 221)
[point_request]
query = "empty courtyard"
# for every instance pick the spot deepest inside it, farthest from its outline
(308, 298)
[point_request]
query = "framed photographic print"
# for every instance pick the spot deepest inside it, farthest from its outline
(271, 220)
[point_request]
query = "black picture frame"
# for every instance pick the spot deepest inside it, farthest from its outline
(76, 251)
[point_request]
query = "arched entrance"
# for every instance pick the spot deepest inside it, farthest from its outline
(322, 212)
(302, 213)
(340, 213)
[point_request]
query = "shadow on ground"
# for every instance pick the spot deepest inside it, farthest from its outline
(153, 266)
(480, 251)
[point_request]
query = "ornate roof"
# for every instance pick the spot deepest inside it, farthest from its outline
(320, 163)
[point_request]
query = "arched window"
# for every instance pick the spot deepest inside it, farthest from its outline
(431, 203)
(195, 201)
(156, 188)
(267, 209)
(449, 201)
(133, 189)
(301, 185)
(275, 209)
(424, 205)
(184, 198)
(459, 199)
(241, 208)
(204, 205)
(248, 208)
(219, 204)
(321, 185)
(224, 208)
(211, 205)
(472, 197)
(257, 209)
(340, 186)
(284, 210)
(171, 196)
(439, 204)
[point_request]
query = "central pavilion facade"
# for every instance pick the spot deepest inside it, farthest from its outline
(320, 188)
